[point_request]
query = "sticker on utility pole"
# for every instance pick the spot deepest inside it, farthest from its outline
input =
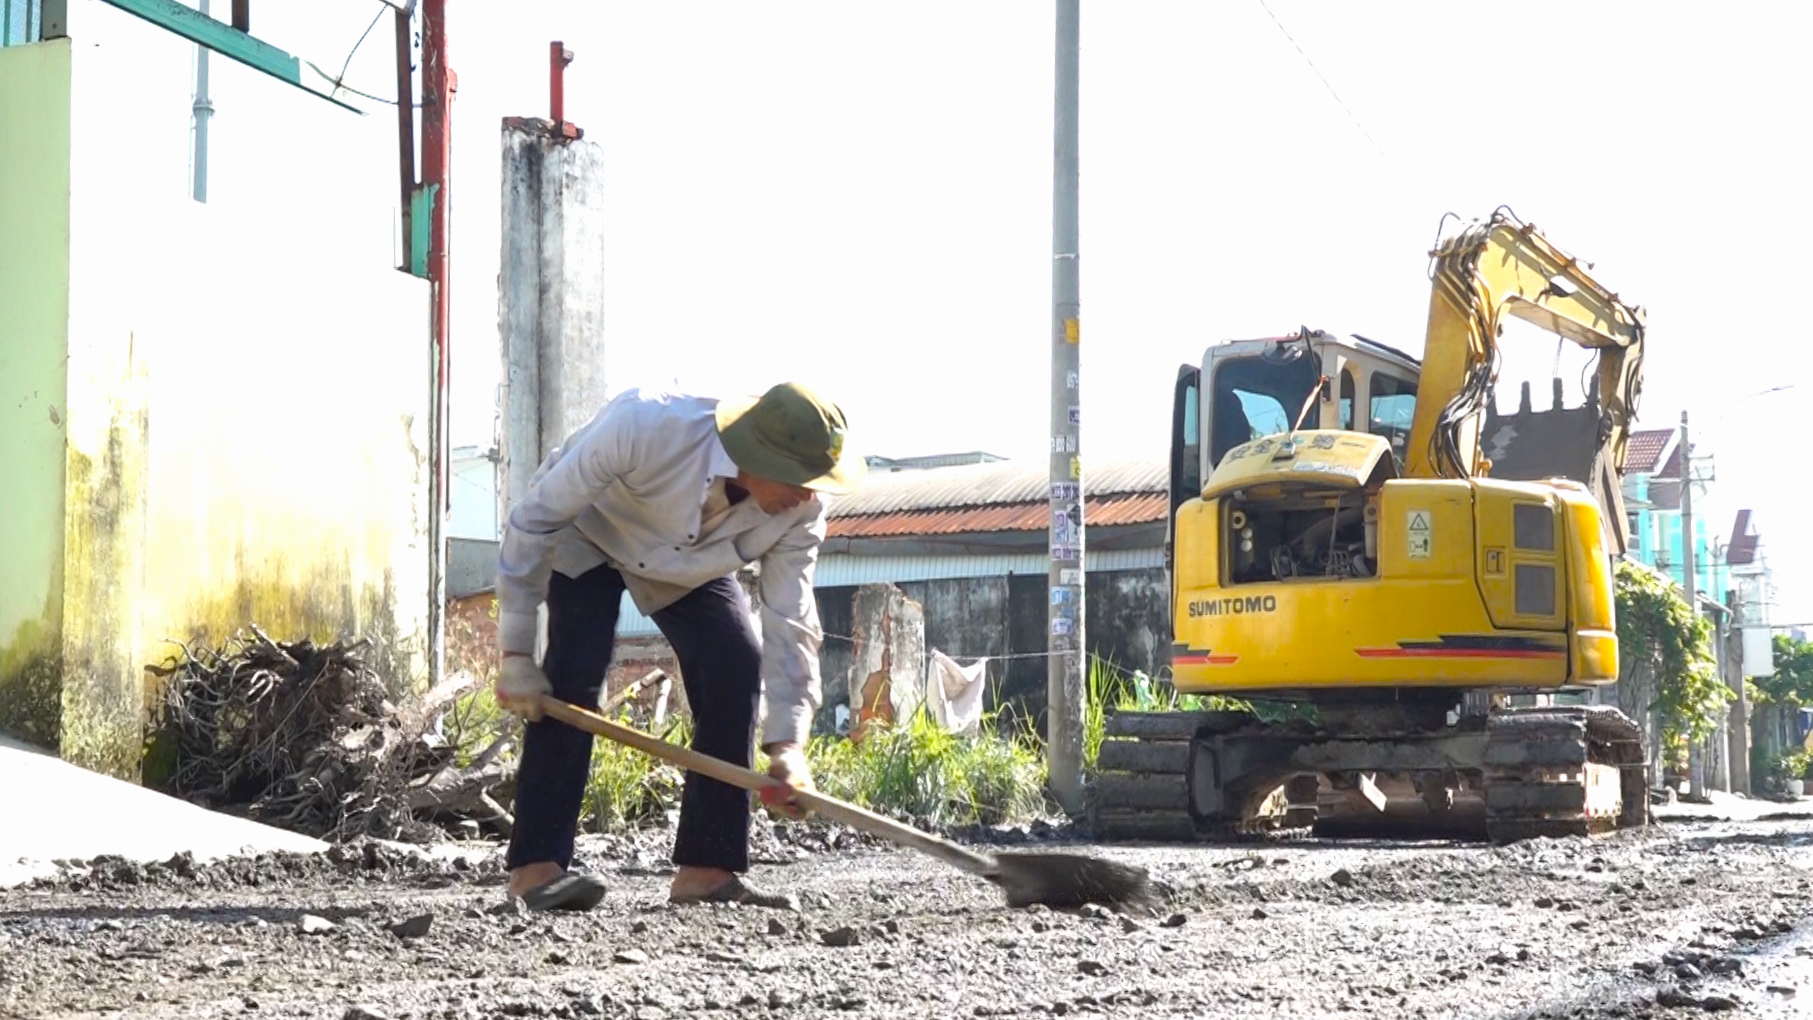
(1070, 577)
(1419, 541)
(1061, 627)
(1076, 415)
(1072, 331)
(1076, 467)
(1070, 379)
(1063, 444)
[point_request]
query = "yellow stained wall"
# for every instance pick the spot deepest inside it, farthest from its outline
(34, 334)
(245, 423)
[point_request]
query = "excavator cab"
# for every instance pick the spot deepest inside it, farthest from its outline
(1307, 380)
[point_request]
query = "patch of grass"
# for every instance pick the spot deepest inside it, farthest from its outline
(1108, 689)
(626, 787)
(918, 768)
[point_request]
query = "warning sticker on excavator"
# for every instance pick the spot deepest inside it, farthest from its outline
(1419, 538)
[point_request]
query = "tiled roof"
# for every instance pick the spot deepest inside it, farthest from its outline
(1643, 451)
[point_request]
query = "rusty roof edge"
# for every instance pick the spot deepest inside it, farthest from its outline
(997, 484)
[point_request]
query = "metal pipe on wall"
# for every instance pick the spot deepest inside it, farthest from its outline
(202, 109)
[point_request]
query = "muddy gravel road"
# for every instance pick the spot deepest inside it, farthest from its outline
(1681, 920)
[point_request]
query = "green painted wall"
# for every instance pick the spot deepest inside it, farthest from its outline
(34, 346)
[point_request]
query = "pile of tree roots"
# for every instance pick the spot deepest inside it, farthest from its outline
(306, 737)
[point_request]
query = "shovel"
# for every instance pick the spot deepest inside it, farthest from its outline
(1025, 878)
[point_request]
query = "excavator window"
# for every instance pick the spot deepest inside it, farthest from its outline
(1347, 399)
(1393, 410)
(1259, 396)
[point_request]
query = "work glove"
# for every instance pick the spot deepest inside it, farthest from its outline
(787, 763)
(520, 685)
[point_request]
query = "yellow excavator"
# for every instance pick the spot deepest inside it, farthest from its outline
(1405, 592)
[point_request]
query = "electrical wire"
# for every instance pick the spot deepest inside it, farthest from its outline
(1403, 178)
(347, 65)
(339, 81)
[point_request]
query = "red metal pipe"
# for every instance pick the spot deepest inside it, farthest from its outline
(558, 58)
(438, 84)
(437, 148)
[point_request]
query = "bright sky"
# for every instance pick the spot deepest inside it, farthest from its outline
(859, 195)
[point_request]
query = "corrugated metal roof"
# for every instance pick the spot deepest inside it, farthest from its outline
(1643, 451)
(1102, 511)
(998, 484)
(838, 570)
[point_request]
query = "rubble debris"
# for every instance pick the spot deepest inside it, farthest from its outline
(305, 737)
(414, 927)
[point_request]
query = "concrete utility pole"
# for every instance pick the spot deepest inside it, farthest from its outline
(1064, 681)
(1696, 763)
(1737, 726)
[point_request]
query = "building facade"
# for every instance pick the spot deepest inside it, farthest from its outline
(964, 536)
(216, 413)
(1652, 503)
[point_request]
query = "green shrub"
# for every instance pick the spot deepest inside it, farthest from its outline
(1108, 690)
(626, 787)
(920, 769)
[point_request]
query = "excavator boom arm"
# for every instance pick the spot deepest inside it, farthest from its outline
(1503, 266)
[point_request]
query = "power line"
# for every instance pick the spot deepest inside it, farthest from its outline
(339, 81)
(1402, 177)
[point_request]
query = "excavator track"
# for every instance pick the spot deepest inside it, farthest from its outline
(1563, 771)
(1141, 791)
(1547, 771)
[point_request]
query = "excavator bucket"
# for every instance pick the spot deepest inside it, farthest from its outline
(1560, 442)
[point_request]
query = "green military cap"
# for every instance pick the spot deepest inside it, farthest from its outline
(791, 435)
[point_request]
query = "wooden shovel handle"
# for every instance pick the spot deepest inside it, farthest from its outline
(756, 782)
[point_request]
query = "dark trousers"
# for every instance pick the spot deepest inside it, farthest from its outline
(721, 667)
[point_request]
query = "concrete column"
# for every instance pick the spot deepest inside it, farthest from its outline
(888, 676)
(550, 296)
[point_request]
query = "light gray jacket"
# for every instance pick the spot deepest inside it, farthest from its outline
(629, 489)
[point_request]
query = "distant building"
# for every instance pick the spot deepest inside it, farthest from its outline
(937, 460)
(1652, 503)
(1753, 589)
(964, 535)
(968, 543)
(474, 495)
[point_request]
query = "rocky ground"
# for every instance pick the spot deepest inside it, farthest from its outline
(1686, 918)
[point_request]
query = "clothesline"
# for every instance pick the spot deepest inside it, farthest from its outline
(972, 658)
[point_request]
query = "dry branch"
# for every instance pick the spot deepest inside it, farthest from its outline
(304, 737)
